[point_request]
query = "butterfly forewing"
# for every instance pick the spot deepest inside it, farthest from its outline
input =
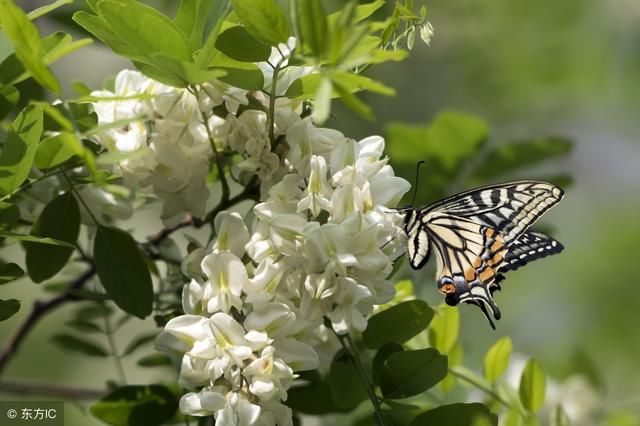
(508, 208)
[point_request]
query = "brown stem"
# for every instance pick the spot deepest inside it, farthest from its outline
(40, 309)
(43, 389)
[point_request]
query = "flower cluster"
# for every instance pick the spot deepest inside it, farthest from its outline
(264, 300)
(163, 141)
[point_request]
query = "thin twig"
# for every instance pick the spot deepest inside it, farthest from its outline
(39, 310)
(43, 389)
(347, 345)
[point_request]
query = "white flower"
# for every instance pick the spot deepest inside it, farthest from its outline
(353, 304)
(227, 278)
(231, 233)
(269, 376)
(318, 192)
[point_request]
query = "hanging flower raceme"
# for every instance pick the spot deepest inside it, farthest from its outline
(318, 251)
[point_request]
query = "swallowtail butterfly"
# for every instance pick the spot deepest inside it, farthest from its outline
(478, 235)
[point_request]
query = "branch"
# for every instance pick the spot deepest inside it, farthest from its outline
(39, 310)
(51, 390)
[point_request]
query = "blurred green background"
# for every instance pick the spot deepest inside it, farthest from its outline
(529, 69)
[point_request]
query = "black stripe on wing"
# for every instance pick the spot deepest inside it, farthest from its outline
(530, 246)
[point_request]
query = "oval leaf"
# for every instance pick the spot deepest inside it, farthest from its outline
(457, 414)
(412, 372)
(136, 405)
(381, 356)
(60, 220)
(443, 332)
(263, 19)
(238, 44)
(138, 342)
(8, 308)
(20, 148)
(346, 388)
(154, 360)
(75, 344)
(312, 25)
(10, 272)
(532, 386)
(497, 359)
(397, 324)
(122, 271)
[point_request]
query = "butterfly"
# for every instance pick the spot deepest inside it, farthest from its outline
(478, 235)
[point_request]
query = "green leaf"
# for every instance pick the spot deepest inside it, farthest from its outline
(360, 13)
(312, 25)
(122, 271)
(238, 44)
(6, 47)
(454, 357)
(263, 19)
(20, 148)
(409, 373)
(8, 308)
(444, 329)
(57, 149)
(33, 239)
(352, 102)
(192, 18)
(26, 40)
(9, 97)
(457, 414)
(312, 395)
(84, 326)
(145, 29)
(347, 389)
(97, 26)
(496, 360)
(60, 220)
(397, 324)
(138, 342)
(10, 272)
(244, 75)
(559, 417)
(139, 405)
(306, 87)
(322, 101)
(379, 359)
(218, 14)
(532, 386)
(508, 157)
(356, 82)
(93, 311)
(9, 215)
(75, 344)
(43, 10)
(154, 360)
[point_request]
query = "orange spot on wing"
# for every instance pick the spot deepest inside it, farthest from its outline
(477, 263)
(496, 259)
(470, 274)
(487, 274)
(489, 232)
(448, 289)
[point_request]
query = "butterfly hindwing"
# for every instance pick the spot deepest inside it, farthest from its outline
(479, 234)
(528, 247)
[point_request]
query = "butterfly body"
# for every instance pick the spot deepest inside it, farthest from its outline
(477, 235)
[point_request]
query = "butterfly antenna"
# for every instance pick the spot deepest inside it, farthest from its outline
(415, 186)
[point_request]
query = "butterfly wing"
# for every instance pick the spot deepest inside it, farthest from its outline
(476, 235)
(508, 208)
(530, 246)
